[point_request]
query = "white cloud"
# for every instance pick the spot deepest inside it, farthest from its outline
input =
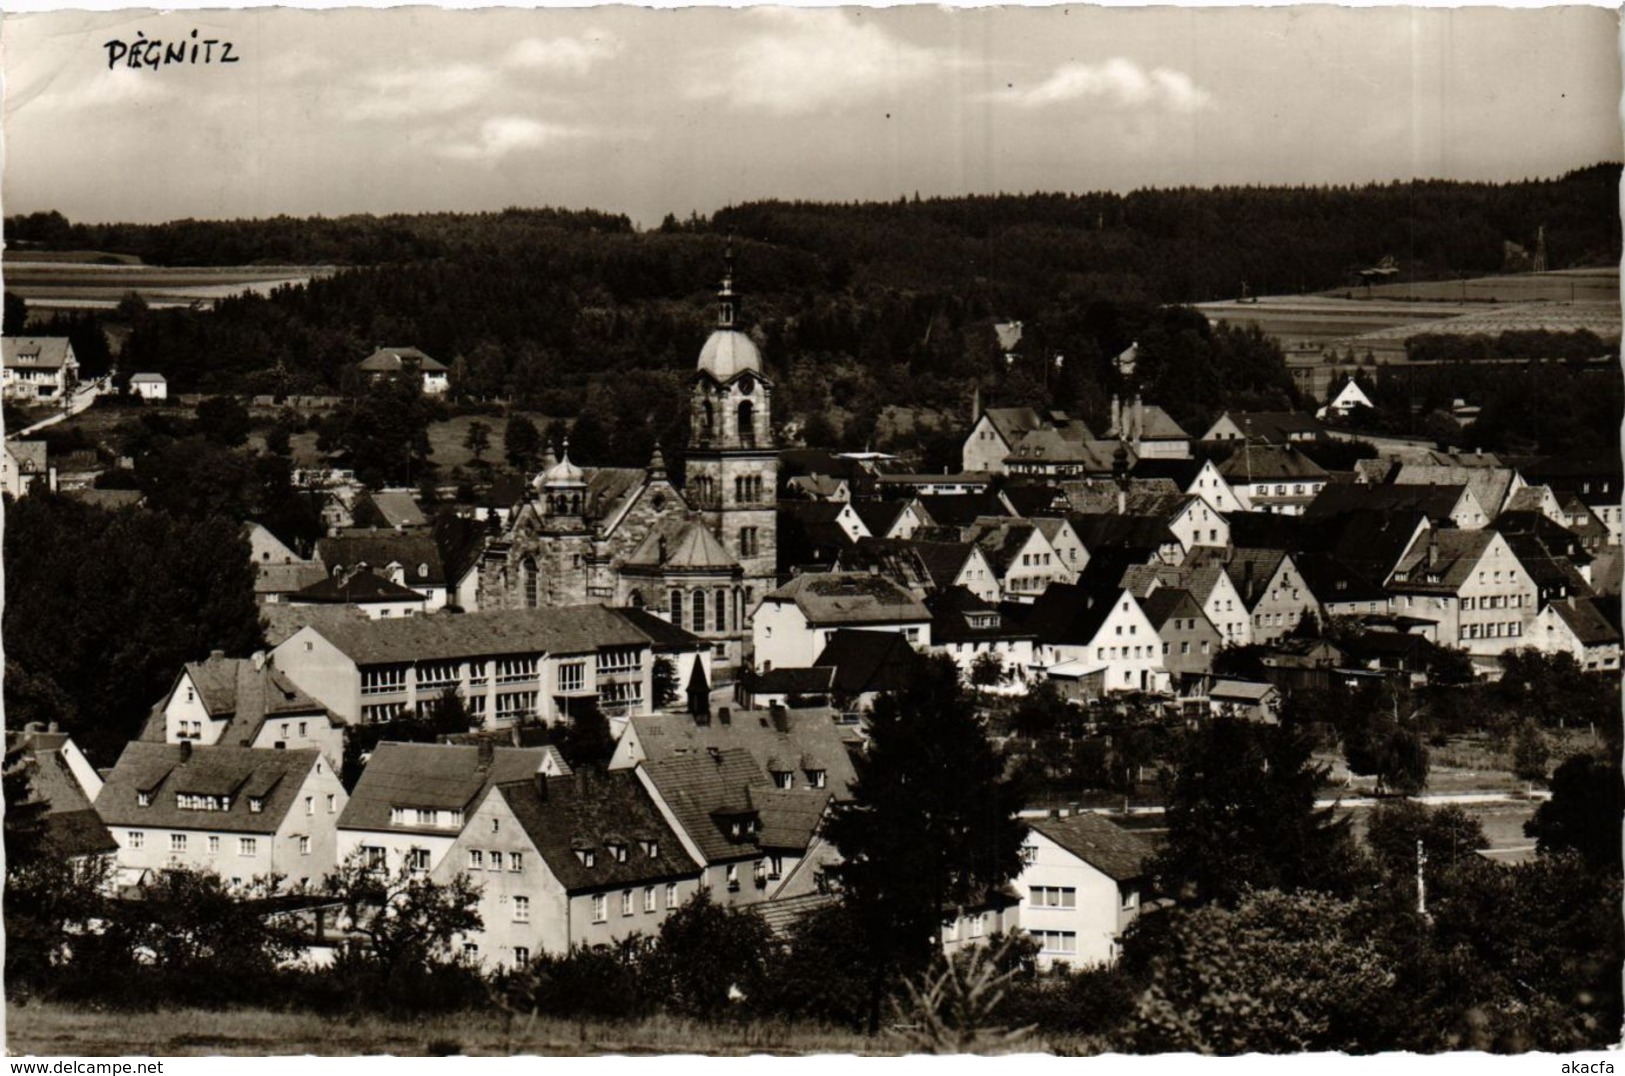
(1117, 81)
(569, 55)
(813, 60)
(414, 92)
(502, 135)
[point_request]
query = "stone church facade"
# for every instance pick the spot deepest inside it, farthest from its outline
(702, 556)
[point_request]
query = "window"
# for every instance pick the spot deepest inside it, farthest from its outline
(512, 705)
(143, 799)
(249, 846)
(748, 545)
(516, 863)
(383, 680)
(600, 908)
(1050, 896)
(697, 610)
(1055, 941)
(521, 909)
(476, 859)
(626, 902)
(671, 895)
(373, 715)
(572, 676)
(620, 659)
(417, 859)
(977, 923)
(516, 670)
(302, 728)
(304, 846)
(332, 803)
(471, 951)
(648, 898)
(177, 842)
(437, 674)
(375, 857)
(784, 778)
(214, 845)
(310, 805)
(733, 877)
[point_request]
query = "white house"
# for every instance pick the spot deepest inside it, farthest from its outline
(414, 799)
(1081, 888)
(149, 386)
(25, 467)
(1090, 630)
(1347, 399)
(1199, 478)
(794, 623)
(242, 812)
(998, 430)
(1022, 557)
(391, 360)
(37, 367)
(1577, 626)
(243, 702)
(1473, 586)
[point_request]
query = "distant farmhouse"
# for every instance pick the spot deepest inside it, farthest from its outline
(392, 360)
(37, 367)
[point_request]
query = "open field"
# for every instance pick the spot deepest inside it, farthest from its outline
(1568, 285)
(78, 285)
(48, 1029)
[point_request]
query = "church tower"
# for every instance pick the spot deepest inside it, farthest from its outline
(733, 464)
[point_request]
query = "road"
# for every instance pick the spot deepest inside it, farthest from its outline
(83, 396)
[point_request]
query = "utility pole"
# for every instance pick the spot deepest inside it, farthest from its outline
(1421, 880)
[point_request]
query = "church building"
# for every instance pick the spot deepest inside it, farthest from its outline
(701, 557)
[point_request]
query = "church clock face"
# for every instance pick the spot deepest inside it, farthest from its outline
(747, 384)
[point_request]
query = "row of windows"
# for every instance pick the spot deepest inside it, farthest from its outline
(1052, 896)
(600, 902)
(1035, 560)
(1272, 620)
(478, 859)
(1491, 631)
(1055, 941)
(420, 816)
(787, 778)
(697, 607)
(1494, 601)
(748, 489)
(332, 804)
(178, 844)
(1262, 489)
(521, 954)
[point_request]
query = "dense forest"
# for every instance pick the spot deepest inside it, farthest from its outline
(856, 306)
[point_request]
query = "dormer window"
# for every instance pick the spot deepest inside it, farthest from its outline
(651, 849)
(817, 778)
(618, 850)
(784, 778)
(586, 856)
(255, 804)
(143, 799)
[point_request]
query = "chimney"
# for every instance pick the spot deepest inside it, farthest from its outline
(259, 660)
(1055, 812)
(186, 750)
(1117, 418)
(51, 726)
(217, 655)
(488, 753)
(724, 716)
(781, 718)
(976, 405)
(1073, 807)
(539, 781)
(513, 736)
(1433, 551)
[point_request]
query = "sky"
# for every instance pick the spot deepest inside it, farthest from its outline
(648, 112)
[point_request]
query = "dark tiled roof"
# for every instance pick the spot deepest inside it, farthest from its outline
(1001, 541)
(234, 688)
(1139, 534)
(801, 740)
(1013, 423)
(78, 833)
(879, 516)
(1099, 842)
(676, 544)
(1330, 580)
(354, 588)
(661, 633)
(1274, 427)
(417, 554)
(165, 771)
(1165, 603)
(390, 359)
(1180, 472)
(1340, 498)
(850, 598)
(951, 611)
(442, 776)
(814, 681)
(703, 792)
(1272, 463)
(1070, 614)
(961, 509)
(36, 352)
(565, 629)
(1036, 499)
(784, 914)
(866, 661)
(1441, 561)
(591, 812)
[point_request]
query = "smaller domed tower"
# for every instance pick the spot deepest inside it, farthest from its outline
(562, 488)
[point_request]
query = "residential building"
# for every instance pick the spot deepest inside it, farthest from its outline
(1199, 478)
(1582, 627)
(374, 595)
(1274, 478)
(751, 838)
(795, 622)
(1021, 556)
(1147, 431)
(1245, 700)
(889, 519)
(25, 467)
(1088, 628)
(1265, 427)
(1084, 882)
(1346, 399)
(1189, 639)
(1492, 485)
(994, 437)
(565, 863)
(1472, 585)
(388, 361)
(405, 559)
(243, 813)
(150, 386)
(414, 800)
(965, 626)
(243, 702)
(64, 782)
(37, 367)
(795, 748)
(508, 667)
(1208, 583)
(1271, 589)
(1444, 505)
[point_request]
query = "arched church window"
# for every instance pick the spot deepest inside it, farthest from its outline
(698, 600)
(677, 608)
(747, 422)
(637, 599)
(707, 419)
(575, 504)
(722, 610)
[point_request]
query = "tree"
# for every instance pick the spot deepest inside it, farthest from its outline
(706, 954)
(1278, 973)
(478, 438)
(664, 680)
(1241, 814)
(932, 826)
(1583, 814)
(587, 739)
(1041, 712)
(1530, 754)
(1448, 834)
(15, 316)
(223, 420)
(521, 442)
(987, 669)
(408, 921)
(383, 430)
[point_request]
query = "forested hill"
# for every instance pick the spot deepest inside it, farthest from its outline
(856, 306)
